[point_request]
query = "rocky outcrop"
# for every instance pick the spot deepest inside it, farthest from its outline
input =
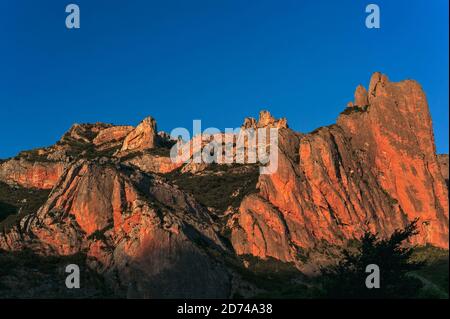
(375, 170)
(361, 98)
(143, 137)
(41, 168)
(395, 138)
(265, 120)
(84, 132)
(154, 163)
(132, 225)
(261, 230)
(112, 135)
(42, 175)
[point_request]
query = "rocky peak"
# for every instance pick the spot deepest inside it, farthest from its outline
(143, 137)
(265, 120)
(377, 84)
(395, 138)
(84, 132)
(249, 122)
(361, 98)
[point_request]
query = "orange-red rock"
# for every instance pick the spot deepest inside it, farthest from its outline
(376, 169)
(361, 98)
(154, 163)
(43, 175)
(143, 137)
(265, 120)
(396, 136)
(112, 134)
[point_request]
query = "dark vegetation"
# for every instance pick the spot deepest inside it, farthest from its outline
(131, 155)
(33, 156)
(99, 234)
(434, 274)
(347, 279)
(165, 143)
(14, 199)
(160, 151)
(219, 186)
(405, 272)
(354, 109)
(274, 279)
(79, 149)
(24, 274)
(157, 151)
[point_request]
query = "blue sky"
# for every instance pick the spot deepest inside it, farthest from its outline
(214, 60)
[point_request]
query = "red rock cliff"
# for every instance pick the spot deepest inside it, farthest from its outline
(376, 169)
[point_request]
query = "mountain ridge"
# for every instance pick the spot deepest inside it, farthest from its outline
(117, 197)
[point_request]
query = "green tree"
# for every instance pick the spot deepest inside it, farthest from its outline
(347, 279)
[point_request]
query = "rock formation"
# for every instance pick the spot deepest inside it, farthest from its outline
(376, 168)
(152, 227)
(131, 224)
(43, 175)
(142, 137)
(361, 98)
(111, 135)
(154, 163)
(265, 120)
(41, 168)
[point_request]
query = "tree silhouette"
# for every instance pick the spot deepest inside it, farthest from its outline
(347, 279)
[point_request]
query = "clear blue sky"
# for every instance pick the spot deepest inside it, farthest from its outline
(214, 60)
